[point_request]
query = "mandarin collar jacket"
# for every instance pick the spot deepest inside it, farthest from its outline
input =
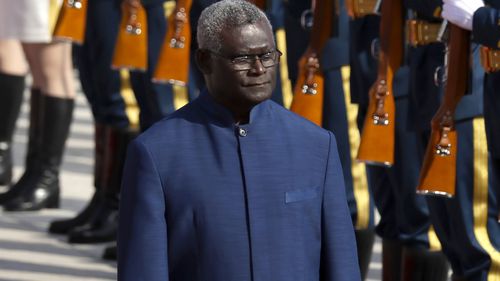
(206, 200)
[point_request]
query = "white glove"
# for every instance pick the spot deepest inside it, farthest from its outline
(461, 12)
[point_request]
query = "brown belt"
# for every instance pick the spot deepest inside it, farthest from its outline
(490, 59)
(361, 8)
(421, 32)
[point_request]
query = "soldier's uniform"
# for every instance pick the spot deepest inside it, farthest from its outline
(404, 224)
(486, 32)
(460, 222)
(106, 91)
(339, 115)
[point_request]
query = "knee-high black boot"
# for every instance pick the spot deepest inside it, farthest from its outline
(364, 241)
(420, 264)
(103, 226)
(66, 225)
(110, 253)
(40, 184)
(391, 260)
(11, 97)
(32, 158)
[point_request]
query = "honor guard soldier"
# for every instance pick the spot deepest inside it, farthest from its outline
(409, 242)
(485, 31)
(425, 60)
(328, 103)
(107, 93)
(466, 224)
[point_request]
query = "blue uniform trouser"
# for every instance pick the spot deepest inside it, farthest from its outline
(335, 119)
(102, 85)
(492, 121)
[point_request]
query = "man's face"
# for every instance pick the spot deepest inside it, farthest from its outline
(242, 89)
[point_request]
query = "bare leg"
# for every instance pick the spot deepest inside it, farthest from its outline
(12, 58)
(51, 68)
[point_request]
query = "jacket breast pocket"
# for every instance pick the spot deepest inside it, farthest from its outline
(301, 195)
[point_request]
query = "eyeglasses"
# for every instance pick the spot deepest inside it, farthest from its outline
(247, 62)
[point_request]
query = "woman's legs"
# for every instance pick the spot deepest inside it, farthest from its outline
(12, 72)
(51, 113)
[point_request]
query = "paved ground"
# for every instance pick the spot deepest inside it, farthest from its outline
(27, 252)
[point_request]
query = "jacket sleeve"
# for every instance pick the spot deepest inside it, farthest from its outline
(339, 260)
(142, 233)
(486, 27)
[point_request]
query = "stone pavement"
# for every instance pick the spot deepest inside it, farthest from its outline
(29, 253)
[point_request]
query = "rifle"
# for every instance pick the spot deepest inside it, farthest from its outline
(131, 48)
(71, 21)
(309, 90)
(438, 173)
(173, 64)
(377, 137)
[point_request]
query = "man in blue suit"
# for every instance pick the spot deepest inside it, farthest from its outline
(233, 186)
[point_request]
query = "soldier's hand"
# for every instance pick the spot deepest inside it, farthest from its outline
(461, 12)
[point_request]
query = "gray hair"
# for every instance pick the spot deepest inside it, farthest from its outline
(220, 15)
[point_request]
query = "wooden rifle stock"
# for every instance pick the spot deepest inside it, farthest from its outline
(131, 48)
(309, 89)
(438, 173)
(71, 21)
(377, 138)
(173, 64)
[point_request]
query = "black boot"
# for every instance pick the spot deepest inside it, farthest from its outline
(12, 88)
(110, 253)
(391, 260)
(420, 264)
(64, 226)
(41, 185)
(32, 155)
(458, 278)
(364, 240)
(104, 225)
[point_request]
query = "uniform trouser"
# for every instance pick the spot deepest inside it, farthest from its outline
(102, 85)
(339, 116)
(467, 223)
(492, 122)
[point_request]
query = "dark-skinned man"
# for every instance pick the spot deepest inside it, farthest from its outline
(209, 194)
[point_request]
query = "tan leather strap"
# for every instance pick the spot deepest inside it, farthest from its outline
(360, 8)
(490, 59)
(420, 32)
